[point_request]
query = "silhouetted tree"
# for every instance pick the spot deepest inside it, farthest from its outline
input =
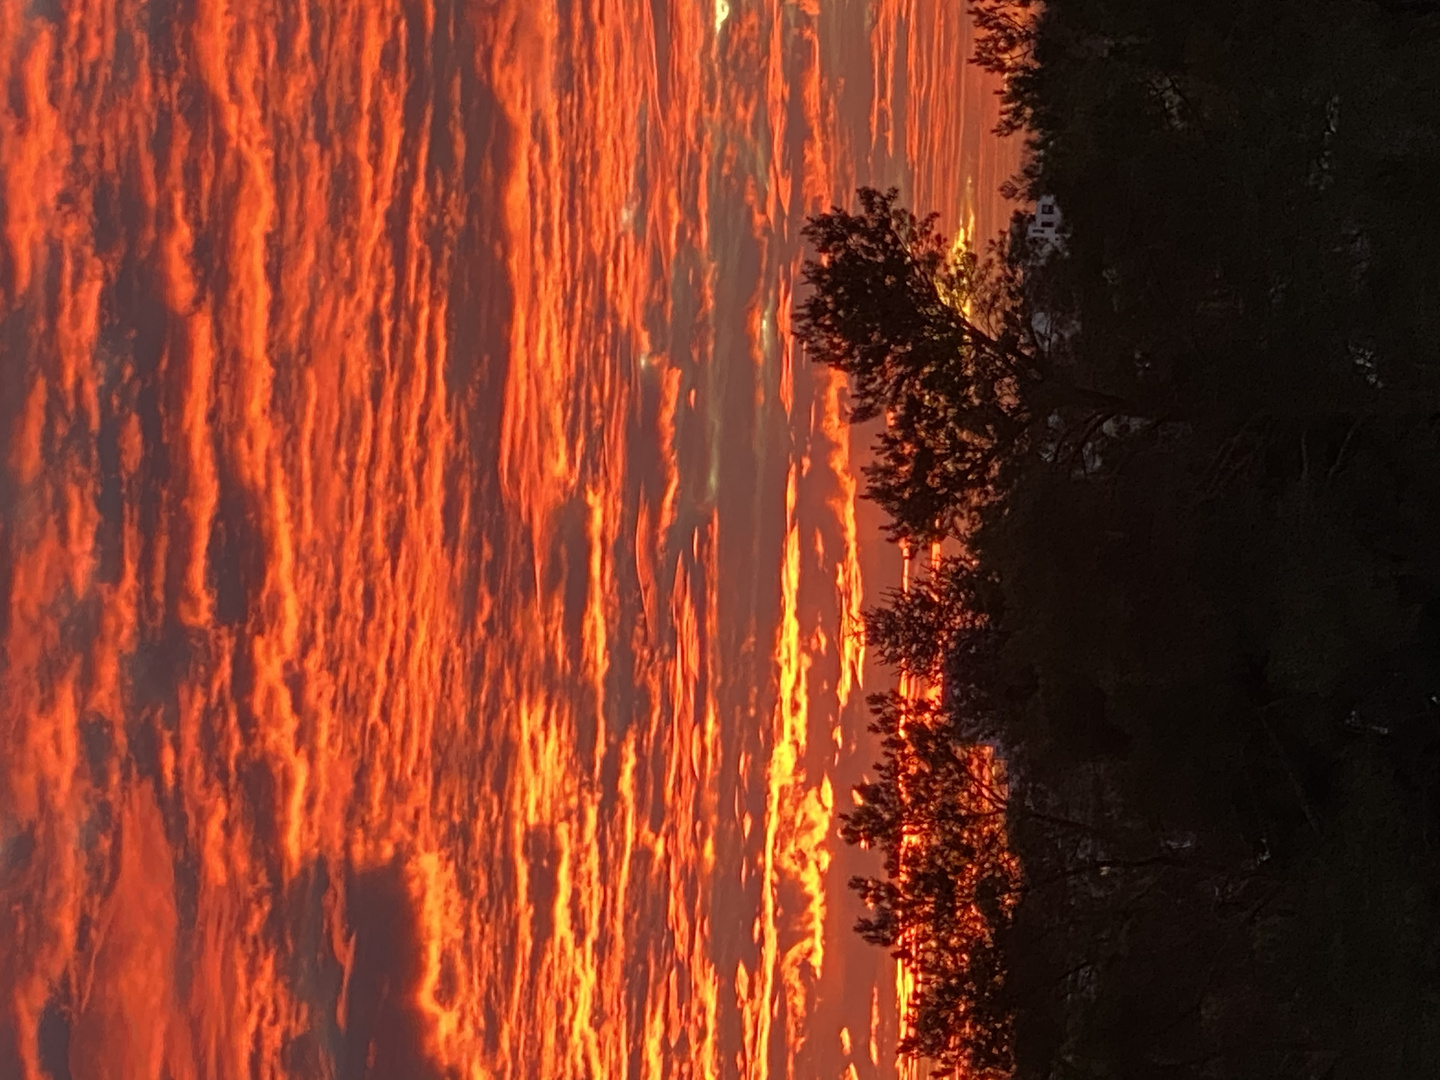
(886, 307)
(1198, 610)
(920, 629)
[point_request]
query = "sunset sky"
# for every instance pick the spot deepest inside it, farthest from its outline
(429, 576)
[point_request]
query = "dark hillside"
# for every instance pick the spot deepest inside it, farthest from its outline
(1192, 449)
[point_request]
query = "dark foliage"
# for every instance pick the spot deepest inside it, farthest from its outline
(1199, 610)
(885, 308)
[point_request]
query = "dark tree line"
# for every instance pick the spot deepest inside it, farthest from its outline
(1191, 454)
(949, 886)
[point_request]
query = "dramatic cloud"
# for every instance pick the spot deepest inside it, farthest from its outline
(429, 577)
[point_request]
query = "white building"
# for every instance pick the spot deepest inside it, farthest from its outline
(1044, 228)
(1043, 237)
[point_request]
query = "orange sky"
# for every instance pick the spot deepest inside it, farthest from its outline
(427, 573)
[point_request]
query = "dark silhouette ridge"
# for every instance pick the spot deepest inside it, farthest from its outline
(1182, 420)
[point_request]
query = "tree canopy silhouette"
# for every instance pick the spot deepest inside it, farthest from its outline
(1191, 589)
(887, 307)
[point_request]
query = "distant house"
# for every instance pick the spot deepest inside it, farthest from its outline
(1054, 329)
(1035, 236)
(1044, 227)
